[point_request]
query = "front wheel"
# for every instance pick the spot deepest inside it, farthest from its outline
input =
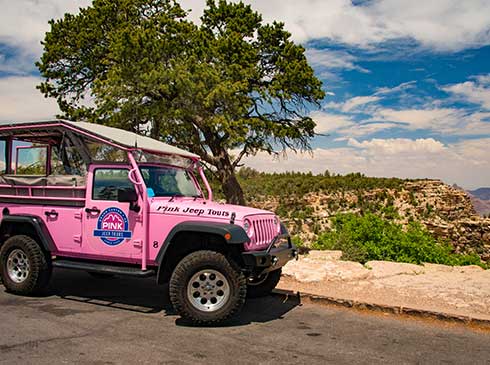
(206, 287)
(263, 285)
(24, 267)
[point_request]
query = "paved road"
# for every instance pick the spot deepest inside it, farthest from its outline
(89, 321)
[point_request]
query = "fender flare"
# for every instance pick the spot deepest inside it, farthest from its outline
(236, 234)
(36, 223)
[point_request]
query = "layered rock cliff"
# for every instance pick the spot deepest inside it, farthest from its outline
(446, 211)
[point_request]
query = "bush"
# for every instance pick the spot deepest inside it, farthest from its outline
(300, 245)
(288, 184)
(369, 237)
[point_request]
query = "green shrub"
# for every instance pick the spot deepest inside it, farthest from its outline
(300, 245)
(369, 237)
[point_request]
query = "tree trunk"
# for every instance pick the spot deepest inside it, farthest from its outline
(231, 187)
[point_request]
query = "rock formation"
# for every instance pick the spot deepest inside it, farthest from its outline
(446, 211)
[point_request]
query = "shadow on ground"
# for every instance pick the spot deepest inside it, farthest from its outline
(146, 297)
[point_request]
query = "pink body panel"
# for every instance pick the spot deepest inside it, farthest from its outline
(92, 246)
(65, 229)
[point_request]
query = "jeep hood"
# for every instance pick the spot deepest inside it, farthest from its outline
(201, 208)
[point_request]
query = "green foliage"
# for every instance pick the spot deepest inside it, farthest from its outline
(289, 184)
(413, 201)
(300, 245)
(297, 241)
(232, 82)
(369, 237)
(33, 169)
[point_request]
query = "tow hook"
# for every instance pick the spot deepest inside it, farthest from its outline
(295, 255)
(274, 261)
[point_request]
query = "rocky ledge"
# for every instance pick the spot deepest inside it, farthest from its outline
(459, 290)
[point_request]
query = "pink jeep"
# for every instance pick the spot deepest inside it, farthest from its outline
(89, 197)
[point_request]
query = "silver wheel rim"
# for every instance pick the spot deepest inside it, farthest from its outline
(18, 266)
(208, 290)
(254, 281)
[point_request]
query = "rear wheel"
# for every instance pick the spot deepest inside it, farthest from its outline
(206, 287)
(263, 285)
(24, 267)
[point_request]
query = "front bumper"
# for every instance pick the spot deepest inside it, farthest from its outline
(279, 252)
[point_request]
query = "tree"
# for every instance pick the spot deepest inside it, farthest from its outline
(228, 88)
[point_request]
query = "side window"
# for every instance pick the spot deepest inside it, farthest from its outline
(31, 160)
(108, 181)
(67, 161)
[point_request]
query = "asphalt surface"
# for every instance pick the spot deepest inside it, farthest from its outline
(113, 321)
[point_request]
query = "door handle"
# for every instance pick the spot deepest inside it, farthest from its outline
(92, 210)
(51, 214)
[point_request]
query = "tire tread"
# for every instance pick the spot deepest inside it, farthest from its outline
(178, 285)
(40, 266)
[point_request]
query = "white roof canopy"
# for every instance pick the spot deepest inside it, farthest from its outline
(117, 136)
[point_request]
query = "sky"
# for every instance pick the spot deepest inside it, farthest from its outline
(407, 82)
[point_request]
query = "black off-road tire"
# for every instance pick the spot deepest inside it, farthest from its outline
(39, 266)
(193, 264)
(264, 286)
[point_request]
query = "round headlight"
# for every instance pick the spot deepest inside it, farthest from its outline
(246, 226)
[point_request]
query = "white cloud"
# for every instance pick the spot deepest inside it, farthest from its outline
(434, 119)
(358, 101)
(326, 122)
(396, 146)
(397, 89)
(466, 163)
(19, 100)
(438, 120)
(24, 22)
(332, 60)
(477, 92)
(442, 24)
(365, 129)
(430, 116)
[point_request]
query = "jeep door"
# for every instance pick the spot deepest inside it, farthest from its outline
(111, 229)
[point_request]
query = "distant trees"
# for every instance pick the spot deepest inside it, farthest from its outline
(289, 184)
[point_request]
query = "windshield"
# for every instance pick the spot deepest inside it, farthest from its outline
(169, 181)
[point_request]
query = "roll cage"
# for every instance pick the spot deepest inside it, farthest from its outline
(76, 145)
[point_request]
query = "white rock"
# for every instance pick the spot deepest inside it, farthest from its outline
(380, 269)
(324, 255)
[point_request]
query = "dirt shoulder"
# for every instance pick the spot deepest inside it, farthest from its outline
(459, 290)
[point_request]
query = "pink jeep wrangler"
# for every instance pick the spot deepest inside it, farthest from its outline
(89, 197)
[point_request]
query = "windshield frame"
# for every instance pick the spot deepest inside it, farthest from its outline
(189, 171)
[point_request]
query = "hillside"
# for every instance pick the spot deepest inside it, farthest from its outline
(481, 193)
(307, 203)
(481, 200)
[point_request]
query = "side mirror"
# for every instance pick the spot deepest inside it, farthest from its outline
(127, 196)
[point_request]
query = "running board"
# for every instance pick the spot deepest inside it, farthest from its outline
(103, 268)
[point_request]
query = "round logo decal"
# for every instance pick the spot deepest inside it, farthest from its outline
(112, 226)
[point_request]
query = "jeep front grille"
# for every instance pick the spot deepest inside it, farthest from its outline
(264, 231)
